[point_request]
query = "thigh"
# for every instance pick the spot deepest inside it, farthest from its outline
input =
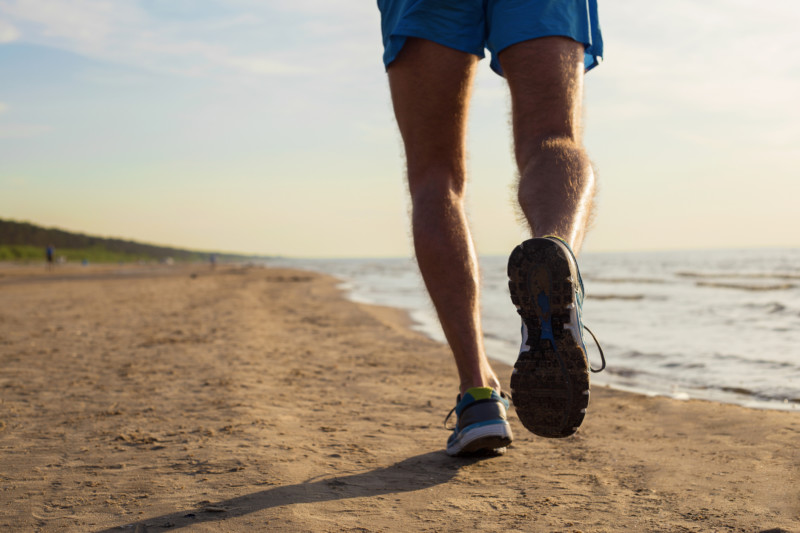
(545, 77)
(430, 86)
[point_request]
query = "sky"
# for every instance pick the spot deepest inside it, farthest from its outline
(265, 127)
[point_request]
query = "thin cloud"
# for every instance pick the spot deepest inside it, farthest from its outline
(84, 23)
(716, 60)
(261, 65)
(352, 11)
(125, 33)
(8, 33)
(22, 131)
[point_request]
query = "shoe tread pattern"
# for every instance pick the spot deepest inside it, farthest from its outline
(550, 382)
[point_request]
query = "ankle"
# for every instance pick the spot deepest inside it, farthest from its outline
(488, 381)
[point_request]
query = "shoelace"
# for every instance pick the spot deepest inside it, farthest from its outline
(580, 282)
(448, 418)
(503, 394)
(600, 349)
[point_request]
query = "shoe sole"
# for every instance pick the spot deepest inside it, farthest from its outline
(491, 439)
(550, 382)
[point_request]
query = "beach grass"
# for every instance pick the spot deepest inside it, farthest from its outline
(93, 254)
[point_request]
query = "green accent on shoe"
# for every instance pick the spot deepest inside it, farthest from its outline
(482, 427)
(480, 393)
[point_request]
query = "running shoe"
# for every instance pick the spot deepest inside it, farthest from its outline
(482, 426)
(550, 381)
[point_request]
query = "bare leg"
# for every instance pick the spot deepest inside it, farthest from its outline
(550, 382)
(557, 183)
(430, 86)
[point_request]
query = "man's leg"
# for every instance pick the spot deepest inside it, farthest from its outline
(430, 86)
(550, 382)
(557, 183)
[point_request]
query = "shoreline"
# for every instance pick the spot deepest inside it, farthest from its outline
(261, 398)
(424, 322)
(27, 273)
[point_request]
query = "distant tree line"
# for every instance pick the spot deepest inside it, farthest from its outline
(26, 234)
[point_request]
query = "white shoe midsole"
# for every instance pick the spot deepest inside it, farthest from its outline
(502, 430)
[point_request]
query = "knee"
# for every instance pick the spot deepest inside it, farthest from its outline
(436, 185)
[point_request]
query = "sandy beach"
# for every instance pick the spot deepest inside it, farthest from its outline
(154, 398)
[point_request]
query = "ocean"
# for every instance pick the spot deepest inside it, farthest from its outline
(720, 325)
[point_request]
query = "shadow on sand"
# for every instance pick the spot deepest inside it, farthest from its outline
(415, 473)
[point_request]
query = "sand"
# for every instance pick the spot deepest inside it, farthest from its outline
(251, 399)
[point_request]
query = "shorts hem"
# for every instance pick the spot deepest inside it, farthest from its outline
(398, 39)
(590, 58)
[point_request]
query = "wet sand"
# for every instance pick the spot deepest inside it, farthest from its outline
(249, 399)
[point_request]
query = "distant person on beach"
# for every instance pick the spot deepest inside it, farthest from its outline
(542, 48)
(50, 253)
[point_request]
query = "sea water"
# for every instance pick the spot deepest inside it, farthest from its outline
(717, 325)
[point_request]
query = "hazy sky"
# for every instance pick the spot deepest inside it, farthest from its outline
(265, 126)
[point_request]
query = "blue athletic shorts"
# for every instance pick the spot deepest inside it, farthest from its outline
(473, 25)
